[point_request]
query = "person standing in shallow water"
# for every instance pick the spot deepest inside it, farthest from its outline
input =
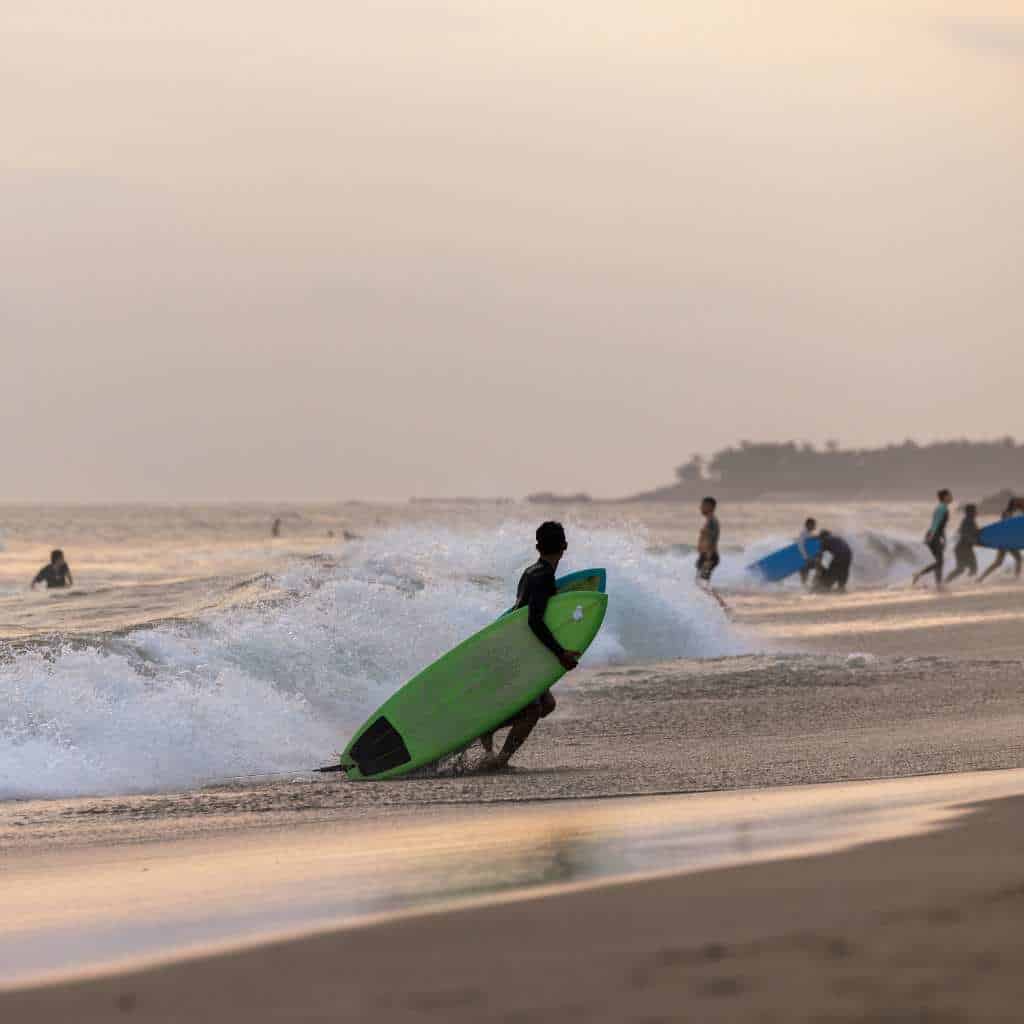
(56, 574)
(810, 526)
(707, 541)
(536, 587)
(935, 538)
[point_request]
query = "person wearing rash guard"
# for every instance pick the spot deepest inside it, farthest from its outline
(968, 534)
(707, 542)
(837, 572)
(536, 587)
(1015, 506)
(810, 525)
(935, 538)
(56, 574)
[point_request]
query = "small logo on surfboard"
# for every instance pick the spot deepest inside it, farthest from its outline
(577, 615)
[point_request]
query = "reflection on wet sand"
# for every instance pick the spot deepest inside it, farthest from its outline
(74, 910)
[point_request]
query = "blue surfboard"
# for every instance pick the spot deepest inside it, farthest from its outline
(593, 580)
(784, 562)
(1007, 533)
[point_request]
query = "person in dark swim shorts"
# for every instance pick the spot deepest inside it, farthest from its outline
(707, 542)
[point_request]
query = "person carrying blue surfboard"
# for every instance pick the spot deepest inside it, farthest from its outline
(810, 527)
(935, 538)
(536, 587)
(1014, 507)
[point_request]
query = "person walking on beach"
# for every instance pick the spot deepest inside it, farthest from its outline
(810, 526)
(707, 549)
(935, 538)
(536, 587)
(837, 572)
(1015, 506)
(55, 574)
(968, 534)
(707, 541)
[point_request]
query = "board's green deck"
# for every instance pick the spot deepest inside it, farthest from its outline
(483, 681)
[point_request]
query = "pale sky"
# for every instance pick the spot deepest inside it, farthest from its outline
(331, 250)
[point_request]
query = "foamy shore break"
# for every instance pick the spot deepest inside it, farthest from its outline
(919, 928)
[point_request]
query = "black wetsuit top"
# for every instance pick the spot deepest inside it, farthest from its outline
(54, 576)
(969, 533)
(836, 547)
(536, 587)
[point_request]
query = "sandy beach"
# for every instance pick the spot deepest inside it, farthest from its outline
(879, 685)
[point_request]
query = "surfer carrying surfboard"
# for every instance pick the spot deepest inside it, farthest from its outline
(810, 526)
(536, 587)
(1015, 506)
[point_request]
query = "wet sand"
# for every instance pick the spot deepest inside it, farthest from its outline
(877, 685)
(919, 929)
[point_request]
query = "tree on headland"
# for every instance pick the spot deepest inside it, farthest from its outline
(750, 469)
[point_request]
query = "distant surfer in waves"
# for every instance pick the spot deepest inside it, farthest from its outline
(837, 572)
(536, 587)
(1015, 506)
(810, 528)
(968, 534)
(56, 574)
(935, 538)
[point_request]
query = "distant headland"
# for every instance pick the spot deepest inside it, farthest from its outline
(788, 470)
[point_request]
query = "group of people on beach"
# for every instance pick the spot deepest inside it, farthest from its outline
(834, 558)
(968, 537)
(831, 565)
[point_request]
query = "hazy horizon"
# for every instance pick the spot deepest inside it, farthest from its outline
(447, 249)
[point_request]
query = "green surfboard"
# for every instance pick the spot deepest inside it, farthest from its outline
(472, 689)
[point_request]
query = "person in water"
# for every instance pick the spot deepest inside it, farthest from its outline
(837, 572)
(536, 587)
(707, 541)
(968, 534)
(56, 574)
(1015, 506)
(935, 538)
(810, 527)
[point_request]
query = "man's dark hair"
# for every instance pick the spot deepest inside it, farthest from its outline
(810, 524)
(551, 538)
(713, 502)
(55, 554)
(945, 493)
(825, 534)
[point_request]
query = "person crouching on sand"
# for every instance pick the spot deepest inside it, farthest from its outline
(968, 534)
(536, 587)
(56, 574)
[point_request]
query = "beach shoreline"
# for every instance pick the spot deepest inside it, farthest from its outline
(916, 928)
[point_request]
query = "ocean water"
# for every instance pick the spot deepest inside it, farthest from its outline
(196, 647)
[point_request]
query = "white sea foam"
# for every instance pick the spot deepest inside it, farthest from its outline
(280, 686)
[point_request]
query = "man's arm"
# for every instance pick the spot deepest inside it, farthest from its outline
(538, 605)
(71, 581)
(40, 576)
